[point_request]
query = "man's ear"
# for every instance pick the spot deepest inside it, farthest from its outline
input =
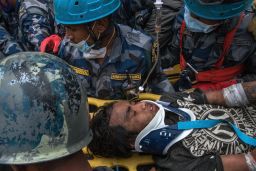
(131, 140)
(132, 145)
(14, 168)
(18, 168)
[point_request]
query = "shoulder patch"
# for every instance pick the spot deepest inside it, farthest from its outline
(136, 37)
(80, 71)
(121, 77)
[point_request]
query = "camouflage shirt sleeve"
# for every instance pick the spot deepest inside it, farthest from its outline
(8, 45)
(36, 22)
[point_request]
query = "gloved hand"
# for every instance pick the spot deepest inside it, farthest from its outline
(196, 97)
(142, 17)
(187, 77)
(51, 44)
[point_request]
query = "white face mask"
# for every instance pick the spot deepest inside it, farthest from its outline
(88, 52)
(95, 54)
(195, 25)
(82, 46)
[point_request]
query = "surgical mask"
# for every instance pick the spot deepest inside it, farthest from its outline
(82, 46)
(88, 52)
(194, 25)
(95, 53)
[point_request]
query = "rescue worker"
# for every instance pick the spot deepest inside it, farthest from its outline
(165, 128)
(141, 15)
(44, 115)
(212, 44)
(28, 22)
(8, 45)
(112, 60)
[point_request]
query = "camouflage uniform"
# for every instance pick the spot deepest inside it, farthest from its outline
(126, 67)
(8, 45)
(203, 50)
(31, 22)
(36, 23)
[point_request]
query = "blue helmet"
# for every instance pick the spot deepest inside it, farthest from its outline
(217, 9)
(83, 11)
(43, 109)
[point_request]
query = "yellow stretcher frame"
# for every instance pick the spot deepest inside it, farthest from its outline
(136, 159)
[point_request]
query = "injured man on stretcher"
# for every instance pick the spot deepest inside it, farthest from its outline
(181, 131)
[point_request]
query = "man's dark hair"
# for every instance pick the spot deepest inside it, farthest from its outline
(109, 141)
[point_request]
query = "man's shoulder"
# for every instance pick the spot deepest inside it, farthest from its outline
(40, 7)
(135, 37)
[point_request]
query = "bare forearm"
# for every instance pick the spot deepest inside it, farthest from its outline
(217, 97)
(236, 162)
(250, 91)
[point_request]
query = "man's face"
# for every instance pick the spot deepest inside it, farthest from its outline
(76, 33)
(132, 116)
(79, 32)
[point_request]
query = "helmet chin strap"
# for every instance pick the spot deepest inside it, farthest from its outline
(90, 31)
(98, 40)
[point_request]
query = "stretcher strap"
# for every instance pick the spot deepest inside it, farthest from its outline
(199, 124)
